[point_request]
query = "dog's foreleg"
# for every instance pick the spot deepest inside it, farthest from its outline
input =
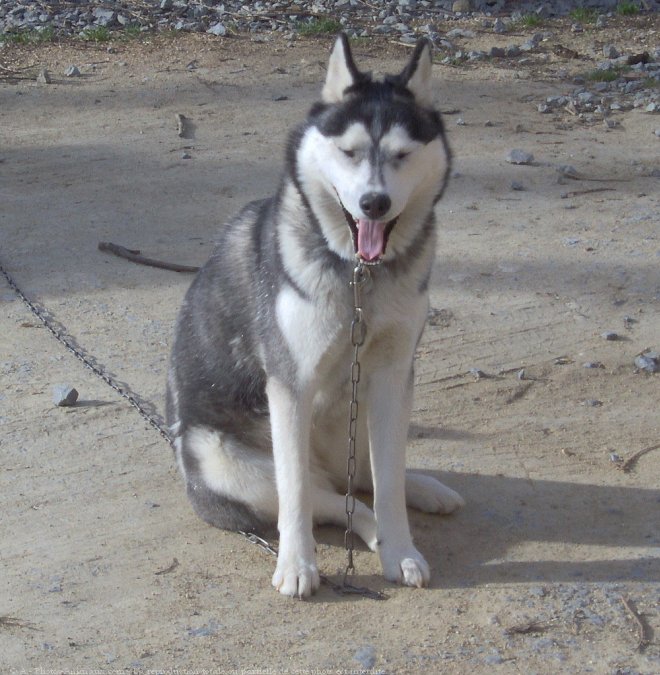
(296, 573)
(389, 403)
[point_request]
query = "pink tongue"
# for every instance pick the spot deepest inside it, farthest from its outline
(371, 239)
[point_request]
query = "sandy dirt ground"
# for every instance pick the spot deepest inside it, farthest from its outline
(106, 569)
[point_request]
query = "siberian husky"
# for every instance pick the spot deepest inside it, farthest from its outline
(260, 375)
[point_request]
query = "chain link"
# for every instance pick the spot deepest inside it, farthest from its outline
(358, 334)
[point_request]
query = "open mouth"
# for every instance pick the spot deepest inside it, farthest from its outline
(369, 236)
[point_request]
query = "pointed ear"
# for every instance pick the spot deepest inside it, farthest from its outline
(342, 71)
(416, 76)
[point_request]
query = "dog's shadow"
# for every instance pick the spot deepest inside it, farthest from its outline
(517, 530)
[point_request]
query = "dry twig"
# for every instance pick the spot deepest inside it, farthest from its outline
(13, 622)
(136, 257)
(170, 568)
(628, 464)
(643, 632)
(529, 627)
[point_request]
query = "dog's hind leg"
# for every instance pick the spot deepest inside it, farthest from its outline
(230, 486)
(330, 508)
(428, 494)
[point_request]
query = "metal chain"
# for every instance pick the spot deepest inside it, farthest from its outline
(58, 331)
(358, 334)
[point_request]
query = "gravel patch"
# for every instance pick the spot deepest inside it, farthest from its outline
(403, 19)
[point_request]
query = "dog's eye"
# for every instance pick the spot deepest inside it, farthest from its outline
(349, 153)
(400, 156)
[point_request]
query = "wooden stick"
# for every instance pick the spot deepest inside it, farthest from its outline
(578, 193)
(529, 627)
(136, 257)
(630, 462)
(643, 637)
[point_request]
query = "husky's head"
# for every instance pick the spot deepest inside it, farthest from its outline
(373, 158)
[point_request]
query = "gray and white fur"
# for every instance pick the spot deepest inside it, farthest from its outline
(259, 382)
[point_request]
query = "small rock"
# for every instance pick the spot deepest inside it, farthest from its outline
(459, 33)
(72, 71)
(513, 51)
(460, 122)
(577, 27)
(652, 107)
(610, 336)
(592, 403)
(593, 364)
(601, 21)
(517, 186)
(497, 52)
(657, 132)
(43, 77)
(499, 26)
(518, 156)
(611, 52)
(488, 123)
(186, 155)
(461, 6)
(610, 124)
(218, 29)
(104, 17)
(568, 170)
(366, 655)
(648, 362)
(64, 395)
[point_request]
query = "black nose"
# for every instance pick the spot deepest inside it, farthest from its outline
(375, 204)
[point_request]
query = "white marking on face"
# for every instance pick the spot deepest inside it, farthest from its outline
(345, 167)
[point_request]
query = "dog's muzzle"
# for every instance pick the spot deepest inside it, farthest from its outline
(370, 237)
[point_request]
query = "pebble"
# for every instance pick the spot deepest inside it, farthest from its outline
(43, 77)
(648, 362)
(592, 403)
(593, 364)
(517, 186)
(217, 29)
(72, 71)
(610, 336)
(568, 170)
(611, 52)
(64, 395)
(499, 26)
(366, 656)
(518, 156)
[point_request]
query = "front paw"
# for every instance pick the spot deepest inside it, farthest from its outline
(296, 576)
(406, 567)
